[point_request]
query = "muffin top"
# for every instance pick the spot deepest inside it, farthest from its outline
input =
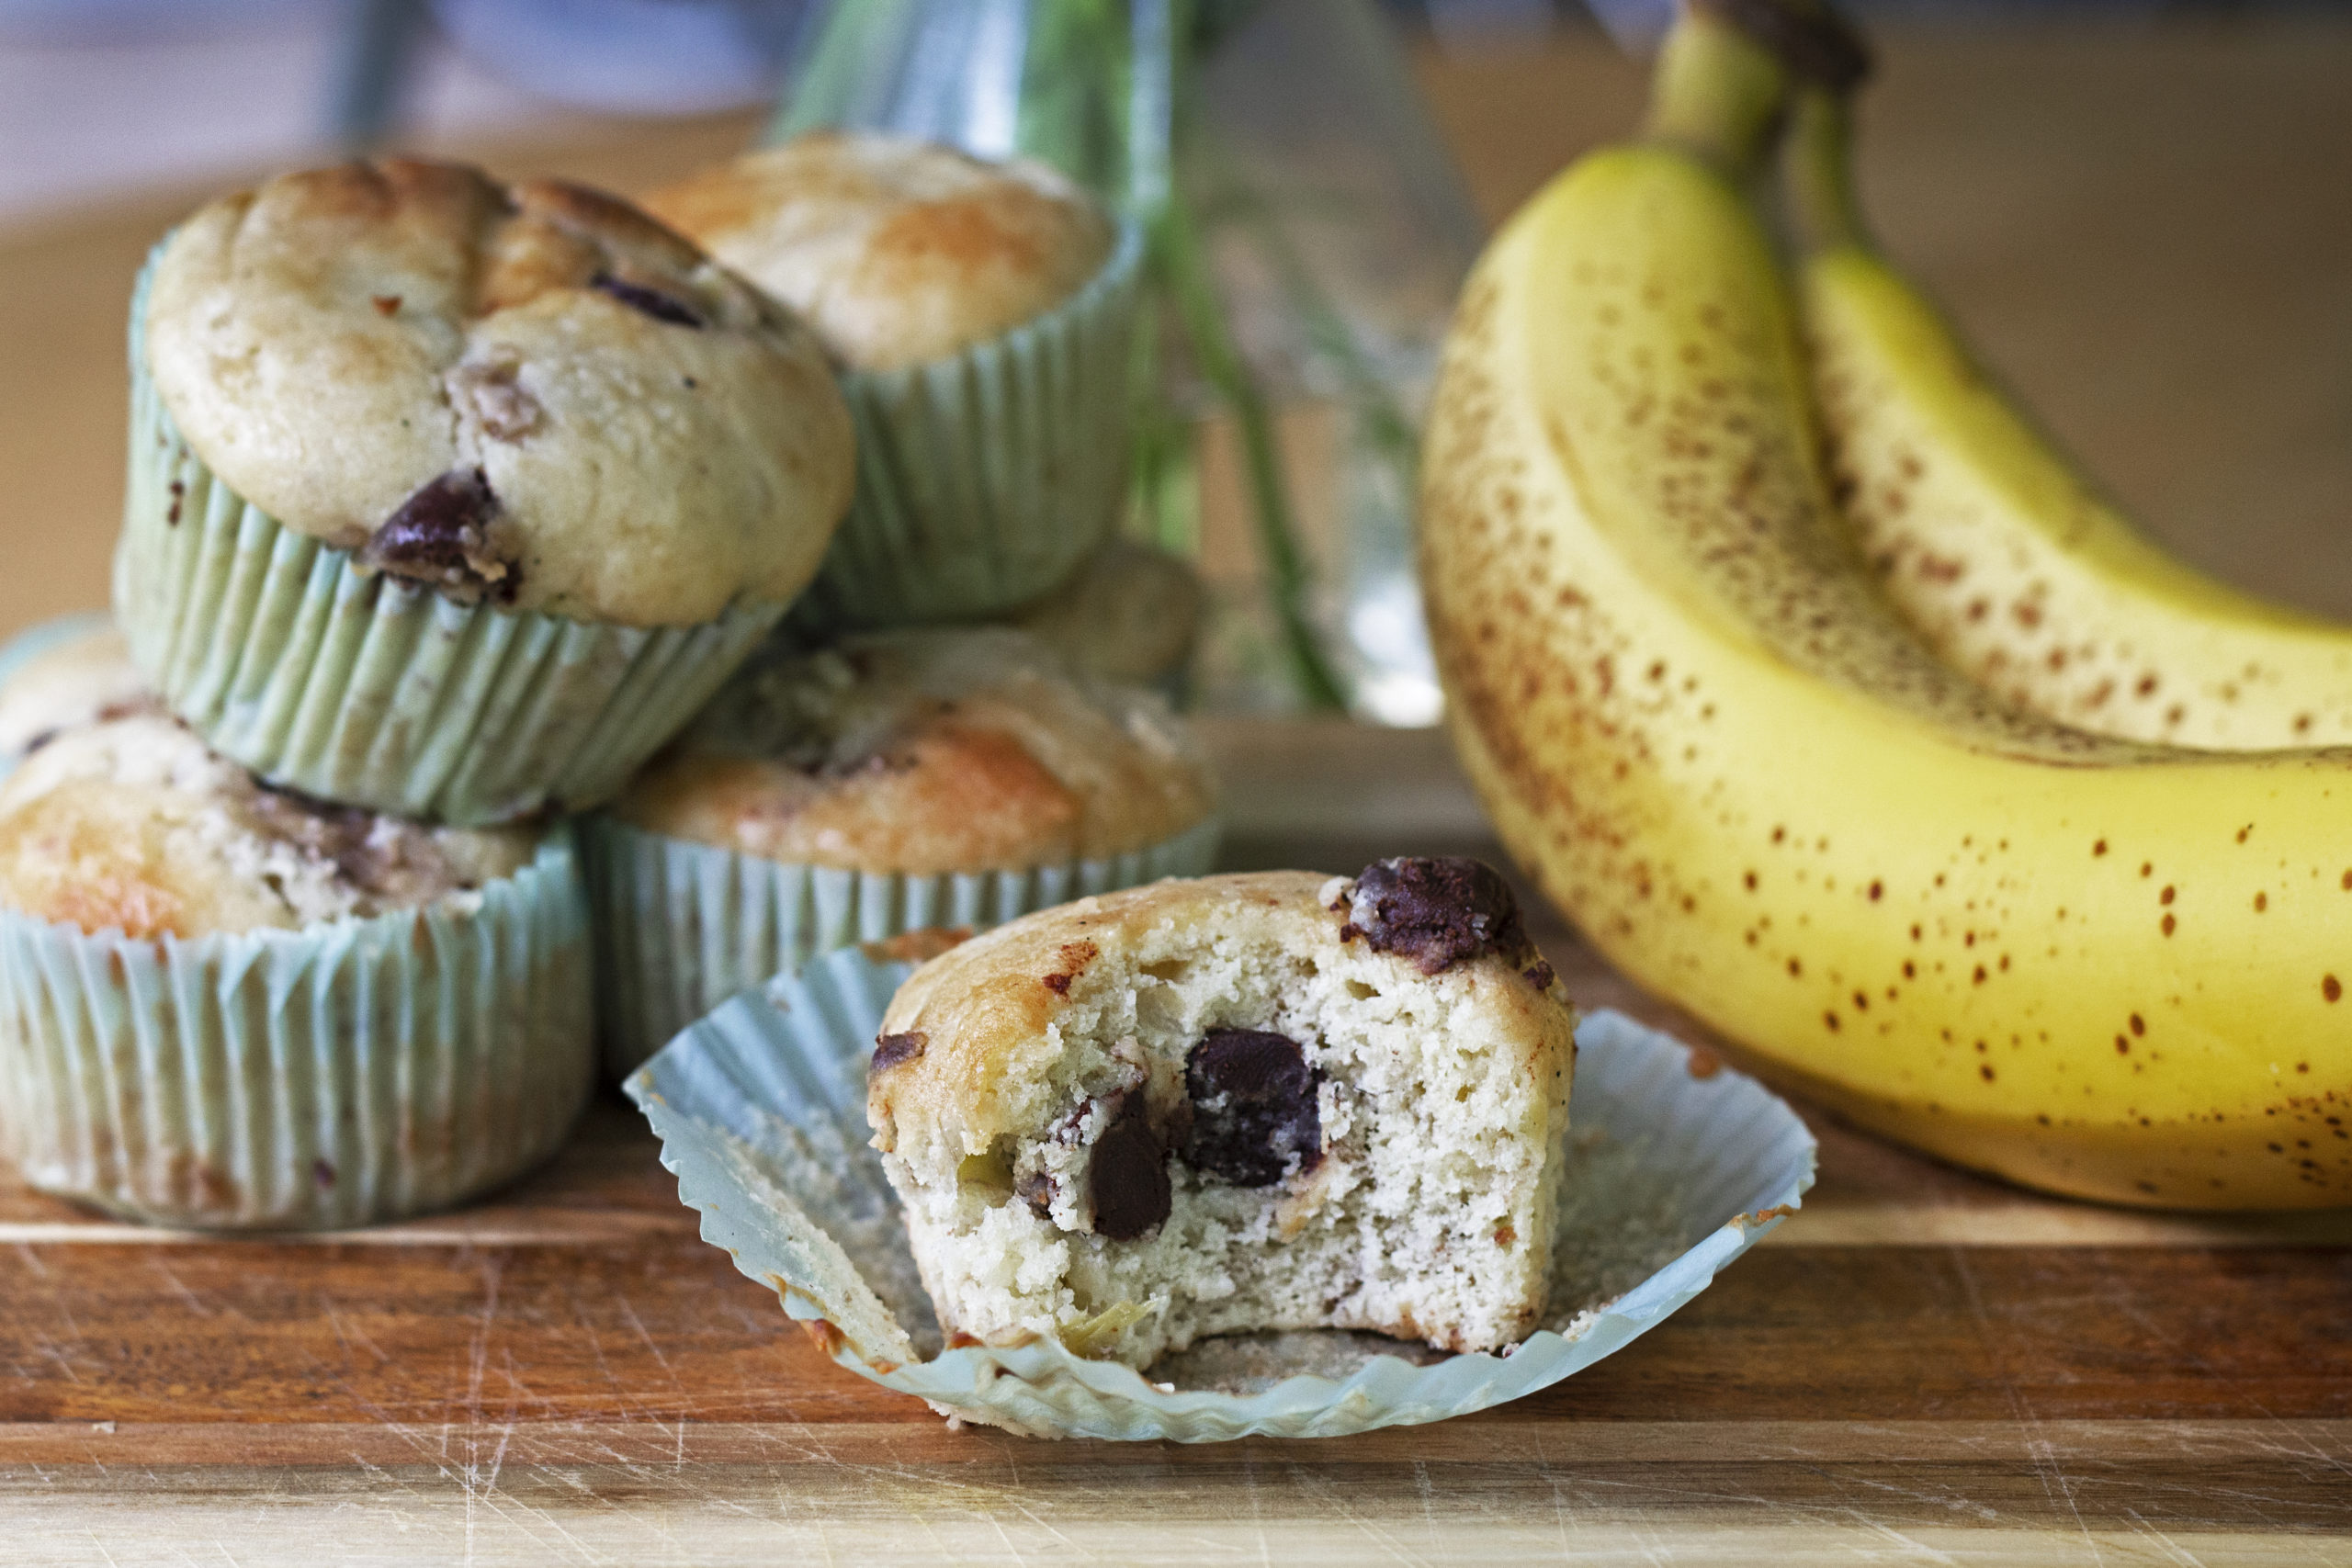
(1132, 613)
(133, 824)
(970, 1046)
(926, 751)
(533, 394)
(897, 251)
(68, 683)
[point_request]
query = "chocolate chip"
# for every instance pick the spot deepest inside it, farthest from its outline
(1438, 911)
(441, 536)
(1254, 1111)
(322, 1172)
(1129, 1175)
(891, 1050)
(1038, 1191)
(651, 301)
(179, 494)
(1539, 975)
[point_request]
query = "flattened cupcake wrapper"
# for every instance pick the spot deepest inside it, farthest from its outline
(985, 479)
(761, 1109)
(683, 926)
(322, 1078)
(358, 687)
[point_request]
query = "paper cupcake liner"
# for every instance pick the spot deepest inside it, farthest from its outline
(1676, 1168)
(358, 687)
(985, 479)
(682, 926)
(315, 1079)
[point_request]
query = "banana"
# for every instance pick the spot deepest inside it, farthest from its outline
(2010, 562)
(2103, 968)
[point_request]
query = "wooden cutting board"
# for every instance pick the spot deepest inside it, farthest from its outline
(2150, 228)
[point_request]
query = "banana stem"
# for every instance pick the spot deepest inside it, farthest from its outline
(1716, 91)
(1820, 172)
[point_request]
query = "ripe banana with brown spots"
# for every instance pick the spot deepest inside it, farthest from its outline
(2012, 564)
(2104, 968)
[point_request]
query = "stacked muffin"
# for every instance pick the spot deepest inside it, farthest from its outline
(450, 505)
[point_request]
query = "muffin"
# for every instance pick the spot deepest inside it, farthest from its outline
(1269, 1101)
(1131, 614)
(226, 1005)
(901, 781)
(980, 313)
(66, 675)
(454, 500)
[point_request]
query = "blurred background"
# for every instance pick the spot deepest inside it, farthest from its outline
(2137, 206)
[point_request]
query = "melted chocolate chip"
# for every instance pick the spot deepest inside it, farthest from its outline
(179, 494)
(891, 1050)
(1129, 1174)
(1437, 911)
(441, 536)
(1038, 1191)
(1254, 1111)
(651, 301)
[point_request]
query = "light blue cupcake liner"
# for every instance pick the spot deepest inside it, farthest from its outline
(985, 479)
(320, 1078)
(362, 688)
(761, 1109)
(682, 926)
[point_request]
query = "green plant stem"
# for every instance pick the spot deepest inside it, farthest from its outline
(1184, 266)
(1819, 170)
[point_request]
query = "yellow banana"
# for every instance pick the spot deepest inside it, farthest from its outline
(2010, 562)
(2102, 968)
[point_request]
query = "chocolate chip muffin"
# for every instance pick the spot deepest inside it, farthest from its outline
(1131, 614)
(134, 824)
(896, 251)
(70, 680)
(488, 456)
(900, 780)
(980, 313)
(1274, 1101)
(226, 1005)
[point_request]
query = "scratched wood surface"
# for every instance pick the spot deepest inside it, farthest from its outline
(2148, 228)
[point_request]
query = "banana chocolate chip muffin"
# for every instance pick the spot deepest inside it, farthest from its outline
(981, 313)
(73, 679)
(900, 780)
(1274, 1101)
(224, 1004)
(522, 475)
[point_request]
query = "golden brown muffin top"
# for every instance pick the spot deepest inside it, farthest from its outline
(967, 1051)
(133, 824)
(897, 251)
(924, 752)
(533, 394)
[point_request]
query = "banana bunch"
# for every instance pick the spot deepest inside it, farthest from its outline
(2008, 559)
(2096, 965)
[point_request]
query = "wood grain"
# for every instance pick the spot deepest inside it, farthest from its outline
(2148, 228)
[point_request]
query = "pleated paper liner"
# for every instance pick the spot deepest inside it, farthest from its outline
(364, 689)
(683, 926)
(985, 479)
(1675, 1169)
(352, 1072)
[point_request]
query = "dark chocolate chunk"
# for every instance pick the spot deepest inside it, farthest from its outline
(1438, 911)
(1254, 1111)
(891, 1050)
(651, 301)
(441, 536)
(1129, 1175)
